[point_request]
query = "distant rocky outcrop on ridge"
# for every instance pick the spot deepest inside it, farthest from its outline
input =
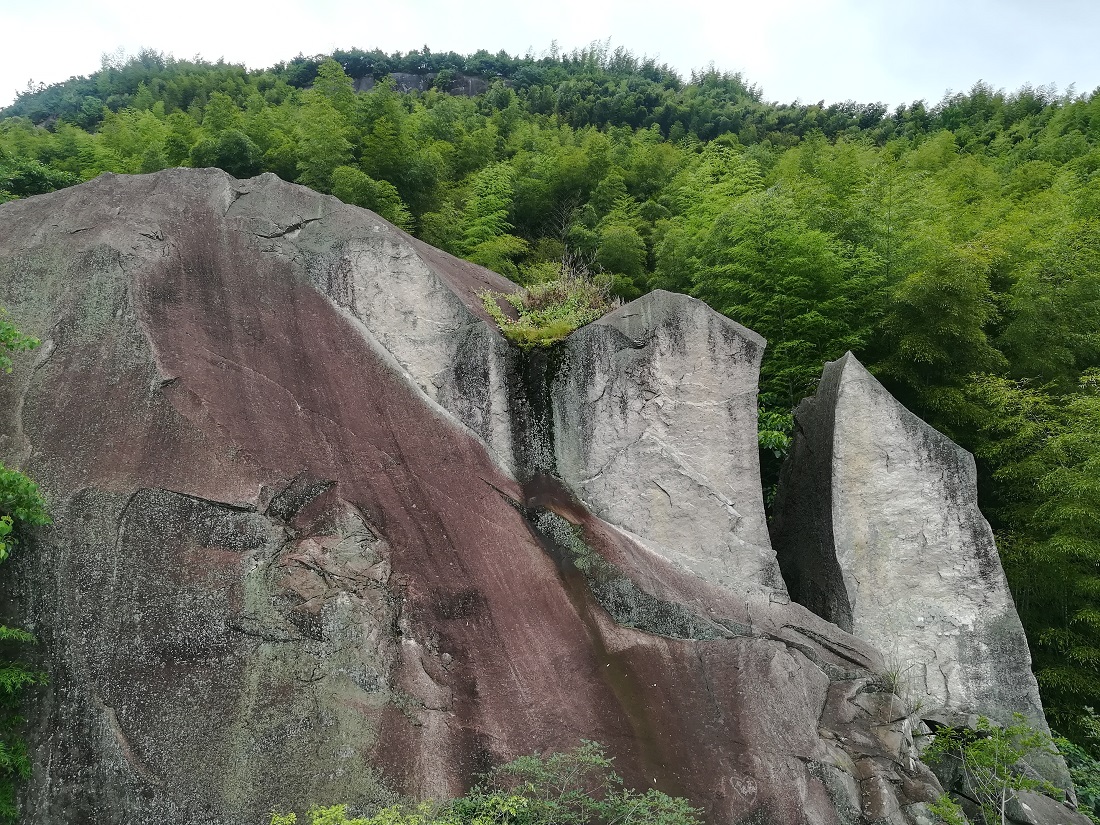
(455, 84)
(318, 526)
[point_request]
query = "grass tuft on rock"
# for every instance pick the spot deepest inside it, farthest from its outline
(550, 310)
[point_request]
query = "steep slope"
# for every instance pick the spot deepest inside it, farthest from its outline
(300, 543)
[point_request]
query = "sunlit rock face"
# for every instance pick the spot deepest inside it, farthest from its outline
(878, 530)
(320, 532)
(655, 413)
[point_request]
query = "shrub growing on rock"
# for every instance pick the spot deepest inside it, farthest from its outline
(990, 762)
(551, 310)
(578, 787)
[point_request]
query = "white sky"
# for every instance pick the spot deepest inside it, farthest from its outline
(892, 51)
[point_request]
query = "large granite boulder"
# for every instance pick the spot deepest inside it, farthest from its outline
(655, 430)
(321, 535)
(877, 529)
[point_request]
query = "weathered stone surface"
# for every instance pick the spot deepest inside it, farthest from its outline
(211, 654)
(419, 304)
(461, 84)
(289, 557)
(655, 430)
(877, 529)
(1033, 809)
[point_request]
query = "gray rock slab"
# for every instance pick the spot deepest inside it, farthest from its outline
(655, 430)
(1034, 809)
(877, 529)
(418, 303)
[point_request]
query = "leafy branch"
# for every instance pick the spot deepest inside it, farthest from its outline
(992, 765)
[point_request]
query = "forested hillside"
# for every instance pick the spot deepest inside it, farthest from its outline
(954, 248)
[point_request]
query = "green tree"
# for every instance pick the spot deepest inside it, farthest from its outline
(608, 192)
(936, 331)
(352, 186)
(24, 177)
(231, 150)
(323, 144)
(179, 139)
(20, 503)
(1054, 328)
(622, 251)
(486, 226)
(1044, 450)
(386, 149)
(333, 84)
(443, 228)
(220, 114)
(986, 762)
(761, 264)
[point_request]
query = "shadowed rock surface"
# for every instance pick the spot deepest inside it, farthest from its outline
(308, 538)
(878, 530)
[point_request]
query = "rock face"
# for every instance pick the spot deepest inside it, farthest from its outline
(878, 530)
(655, 429)
(319, 532)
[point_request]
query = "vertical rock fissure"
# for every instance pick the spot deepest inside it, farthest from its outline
(802, 515)
(557, 537)
(531, 377)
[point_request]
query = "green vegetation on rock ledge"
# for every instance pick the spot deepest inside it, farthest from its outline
(550, 310)
(574, 788)
(953, 247)
(987, 765)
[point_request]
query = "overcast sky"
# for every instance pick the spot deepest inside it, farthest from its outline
(892, 51)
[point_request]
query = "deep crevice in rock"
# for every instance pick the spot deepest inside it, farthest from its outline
(801, 528)
(530, 382)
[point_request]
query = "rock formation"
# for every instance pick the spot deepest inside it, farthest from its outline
(319, 529)
(878, 530)
(655, 416)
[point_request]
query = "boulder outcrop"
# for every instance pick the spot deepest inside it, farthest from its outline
(321, 535)
(655, 429)
(878, 530)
